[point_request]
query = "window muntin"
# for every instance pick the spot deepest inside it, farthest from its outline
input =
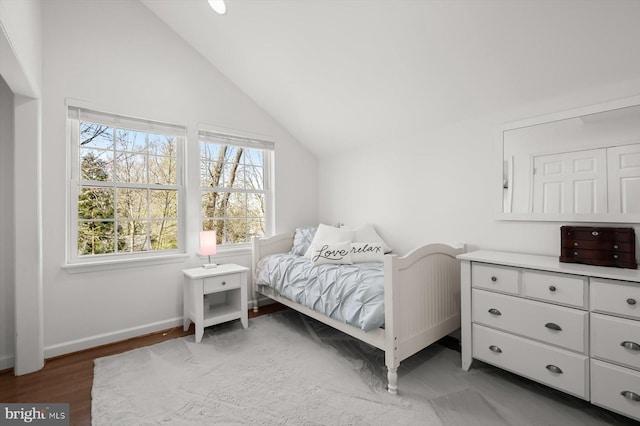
(235, 196)
(126, 190)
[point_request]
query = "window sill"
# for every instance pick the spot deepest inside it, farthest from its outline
(113, 264)
(228, 252)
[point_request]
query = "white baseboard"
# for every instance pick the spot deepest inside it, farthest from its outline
(6, 362)
(115, 336)
(106, 338)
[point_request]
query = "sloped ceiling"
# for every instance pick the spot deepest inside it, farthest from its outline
(340, 73)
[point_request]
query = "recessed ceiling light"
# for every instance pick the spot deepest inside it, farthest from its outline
(218, 6)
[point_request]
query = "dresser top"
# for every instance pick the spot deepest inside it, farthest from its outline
(550, 263)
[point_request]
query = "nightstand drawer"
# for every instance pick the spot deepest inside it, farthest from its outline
(554, 367)
(615, 297)
(498, 278)
(221, 283)
(555, 288)
(556, 325)
(615, 339)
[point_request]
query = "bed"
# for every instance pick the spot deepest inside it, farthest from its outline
(421, 299)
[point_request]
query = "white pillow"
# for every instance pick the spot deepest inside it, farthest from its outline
(367, 252)
(338, 253)
(367, 234)
(326, 234)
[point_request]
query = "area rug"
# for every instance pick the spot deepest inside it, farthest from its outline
(273, 373)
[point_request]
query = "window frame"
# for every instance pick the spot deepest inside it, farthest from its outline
(245, 140)
(76, 114)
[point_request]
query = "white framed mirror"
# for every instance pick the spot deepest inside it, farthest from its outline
(581, 165)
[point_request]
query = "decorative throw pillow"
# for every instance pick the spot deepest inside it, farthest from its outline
(367, 252)
(367, 234)
(326, 234)
(302, 240)
(338, 253)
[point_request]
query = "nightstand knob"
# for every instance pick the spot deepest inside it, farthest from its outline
(494, 279)
(224, 283)
(552, 288)
(631, 301)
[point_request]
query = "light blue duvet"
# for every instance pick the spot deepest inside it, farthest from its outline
(353, 294)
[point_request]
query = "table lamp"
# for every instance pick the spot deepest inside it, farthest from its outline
(208, 247)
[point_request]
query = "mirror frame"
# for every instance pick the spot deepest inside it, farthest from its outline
(549, 118)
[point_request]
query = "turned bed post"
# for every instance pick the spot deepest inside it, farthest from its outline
(390, 332)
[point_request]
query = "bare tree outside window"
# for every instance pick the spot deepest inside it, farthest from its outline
(233, 191)
(128, 191)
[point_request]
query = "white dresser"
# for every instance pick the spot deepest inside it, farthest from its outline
(573, 327)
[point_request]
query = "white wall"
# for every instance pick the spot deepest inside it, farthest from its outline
(7, 257)
(443, 186)
(116, 54)
(20, 22)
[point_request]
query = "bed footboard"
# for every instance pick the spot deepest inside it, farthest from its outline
(422, 301)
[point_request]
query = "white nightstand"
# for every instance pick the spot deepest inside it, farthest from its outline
(213, 296)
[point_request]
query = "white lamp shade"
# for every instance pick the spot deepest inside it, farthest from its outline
(208, 243)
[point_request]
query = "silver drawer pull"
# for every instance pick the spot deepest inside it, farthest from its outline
(615, 256)
(630, 395)
(552, 288)
(494, 311)
(631, 301)
(595, 233)
(553, 326)
(554, 369)
(630, 345)
(495, 349)
(494, 279)
(575, 244)
(575, 253)
(615, 246)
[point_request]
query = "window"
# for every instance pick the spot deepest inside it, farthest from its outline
(235, 186)
(125, 186)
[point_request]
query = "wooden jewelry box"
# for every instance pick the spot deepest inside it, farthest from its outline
(598, 246)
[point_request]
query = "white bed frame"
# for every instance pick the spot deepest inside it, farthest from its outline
(421, 300)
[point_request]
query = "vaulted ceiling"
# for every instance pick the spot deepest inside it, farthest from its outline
(352, 72)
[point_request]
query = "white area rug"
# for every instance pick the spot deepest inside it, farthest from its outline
(269, 374)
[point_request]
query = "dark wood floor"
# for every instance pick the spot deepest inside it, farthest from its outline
(69, 378)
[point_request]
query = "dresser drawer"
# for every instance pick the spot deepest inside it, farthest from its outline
(556, 288)
(556, 325)
(497, 278)
(615, 297)
(616, 388)
(220, 283)
(554, 367)
(615, 339)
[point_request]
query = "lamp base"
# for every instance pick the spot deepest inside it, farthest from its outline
(210, 265)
